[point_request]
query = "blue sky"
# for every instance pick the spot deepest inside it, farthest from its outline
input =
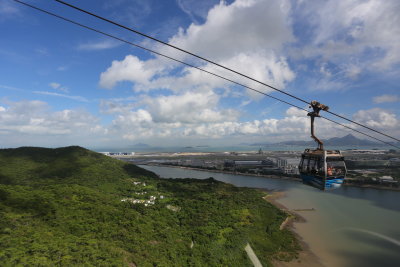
(64, 85)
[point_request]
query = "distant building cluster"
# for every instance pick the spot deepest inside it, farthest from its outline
(268, 165)
(118, 153)
(277, 165)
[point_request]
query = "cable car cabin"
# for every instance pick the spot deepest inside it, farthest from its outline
(323, 169)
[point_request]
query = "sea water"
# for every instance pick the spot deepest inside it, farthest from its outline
(349, 226)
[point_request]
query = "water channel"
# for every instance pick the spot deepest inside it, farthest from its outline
(350, 226)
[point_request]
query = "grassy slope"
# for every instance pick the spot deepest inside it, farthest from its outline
(63, 206)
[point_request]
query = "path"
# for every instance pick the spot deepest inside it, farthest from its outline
(253, 257)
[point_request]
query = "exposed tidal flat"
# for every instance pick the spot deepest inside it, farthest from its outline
(349, 226)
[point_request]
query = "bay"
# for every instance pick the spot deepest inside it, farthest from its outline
(349, 226)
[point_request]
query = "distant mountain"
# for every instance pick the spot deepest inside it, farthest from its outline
(141, 145)
(348, 140)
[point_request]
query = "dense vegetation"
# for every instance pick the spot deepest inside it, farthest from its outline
(63, 207)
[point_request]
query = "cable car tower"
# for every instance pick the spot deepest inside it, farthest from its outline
(323, 169)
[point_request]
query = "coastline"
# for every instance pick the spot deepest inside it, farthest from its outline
(369, 205)
(306, 256)
(372, 187)
(271, 176)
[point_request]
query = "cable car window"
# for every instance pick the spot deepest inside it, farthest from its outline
(311, 166)
(320, 168)
(305, 165)
(335, 167)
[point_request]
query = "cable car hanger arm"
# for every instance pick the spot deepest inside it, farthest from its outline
(317, 107)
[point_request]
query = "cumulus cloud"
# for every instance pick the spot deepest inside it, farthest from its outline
(190, 107)
(247, 35)
(377, 118)
(243, 26)
(253, 37)
(143, 124)
(295, 112)
(130, 69)
(37, 120)
(290, 127)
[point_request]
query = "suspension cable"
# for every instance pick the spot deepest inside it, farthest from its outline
(214, 63)
(192, 66)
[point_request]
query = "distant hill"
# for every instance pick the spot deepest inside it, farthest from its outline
(348, 140)
(141, 145)
(74, 164)
(74, 207)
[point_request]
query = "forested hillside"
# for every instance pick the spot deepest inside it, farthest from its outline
(71, 206)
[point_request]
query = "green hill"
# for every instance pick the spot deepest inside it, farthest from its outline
(71, 206)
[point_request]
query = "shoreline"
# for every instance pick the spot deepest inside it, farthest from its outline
(306, 256)
(373, 187)
(313, 252)
(271, 176)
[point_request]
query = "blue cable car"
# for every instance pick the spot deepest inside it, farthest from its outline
(323, 169)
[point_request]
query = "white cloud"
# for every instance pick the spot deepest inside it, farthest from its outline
(114, 107)
(352, 71)
(130, 69)
(190, 107)
(377, 118)
(362, 33)
(76, 98)
(293, 111)
(37, 118)
(185, 6)
(247, 35)
(252, 37)
(386, 99)
(262, 66)
(285, 128)
(143, 124)
(101, 45)
(57, 86)
(295, 126)
(134, 125)
(243, 26)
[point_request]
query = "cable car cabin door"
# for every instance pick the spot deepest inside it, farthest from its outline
(312, 169)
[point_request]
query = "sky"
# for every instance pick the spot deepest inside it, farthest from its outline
(64, 85)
